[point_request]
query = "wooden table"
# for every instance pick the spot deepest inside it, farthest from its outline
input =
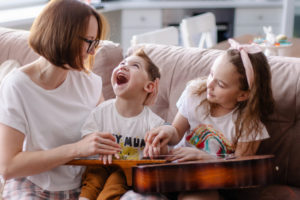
(293, 51)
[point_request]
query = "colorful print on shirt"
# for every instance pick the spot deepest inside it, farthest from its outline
(206, 138)
(132, 147)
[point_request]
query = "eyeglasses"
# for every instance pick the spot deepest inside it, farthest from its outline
(92, 43)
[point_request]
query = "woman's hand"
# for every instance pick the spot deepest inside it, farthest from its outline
(152, 96)
(158, 138)
(182, 154)
(97, 143)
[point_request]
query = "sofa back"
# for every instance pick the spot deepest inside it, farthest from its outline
(178, 65)
(14, 46)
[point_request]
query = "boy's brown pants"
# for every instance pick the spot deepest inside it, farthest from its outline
(103, 183)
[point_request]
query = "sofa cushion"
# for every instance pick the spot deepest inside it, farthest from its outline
(6, 67)
(178, 65)
(14, 45)
(108, 56)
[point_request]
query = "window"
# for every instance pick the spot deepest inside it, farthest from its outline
(7, 4)
(19, 13)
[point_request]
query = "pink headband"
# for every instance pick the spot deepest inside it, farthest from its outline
(244, 50)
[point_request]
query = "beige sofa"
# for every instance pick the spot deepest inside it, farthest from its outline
(179, 65)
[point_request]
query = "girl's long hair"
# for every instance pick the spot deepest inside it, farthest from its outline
(258, 106)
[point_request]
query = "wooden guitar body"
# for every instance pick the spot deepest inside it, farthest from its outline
(216, 174)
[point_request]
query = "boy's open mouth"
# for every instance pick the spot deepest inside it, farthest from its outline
(121, 79)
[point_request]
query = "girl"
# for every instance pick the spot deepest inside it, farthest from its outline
(222, 114)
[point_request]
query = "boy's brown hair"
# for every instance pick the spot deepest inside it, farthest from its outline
(56, 32)
(152, 69)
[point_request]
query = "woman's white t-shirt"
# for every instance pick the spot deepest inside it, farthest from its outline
(50, 118)
(215, 135)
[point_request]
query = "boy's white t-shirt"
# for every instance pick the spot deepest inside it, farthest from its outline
(50, 118)
(216, 135)
(129, 131)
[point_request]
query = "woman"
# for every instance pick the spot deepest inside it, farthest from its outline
(44, 104)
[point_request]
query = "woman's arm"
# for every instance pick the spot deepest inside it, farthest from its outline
(16, 163)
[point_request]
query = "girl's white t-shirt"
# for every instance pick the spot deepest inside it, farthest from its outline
(50, 118)
(203, 126)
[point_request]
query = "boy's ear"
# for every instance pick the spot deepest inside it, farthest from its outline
(244, 95)
(149, 87)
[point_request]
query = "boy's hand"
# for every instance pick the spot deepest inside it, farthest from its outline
(152, 96)
(108, 158)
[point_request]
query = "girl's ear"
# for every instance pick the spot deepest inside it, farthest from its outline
(149, 87)
(244, 95)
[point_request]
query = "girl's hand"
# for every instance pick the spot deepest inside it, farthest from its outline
(182, 154)
(158, 138)
(152, 96)
(97, 143)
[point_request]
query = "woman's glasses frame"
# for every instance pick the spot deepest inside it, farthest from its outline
(92, 43)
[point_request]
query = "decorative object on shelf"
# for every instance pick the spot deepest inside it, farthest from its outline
(272, 43)
(270, 36)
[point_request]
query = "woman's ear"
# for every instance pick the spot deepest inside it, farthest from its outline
(244, 95)
(149, 87)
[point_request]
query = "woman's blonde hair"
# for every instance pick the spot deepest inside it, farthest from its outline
(55, 33)
(259, 105)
